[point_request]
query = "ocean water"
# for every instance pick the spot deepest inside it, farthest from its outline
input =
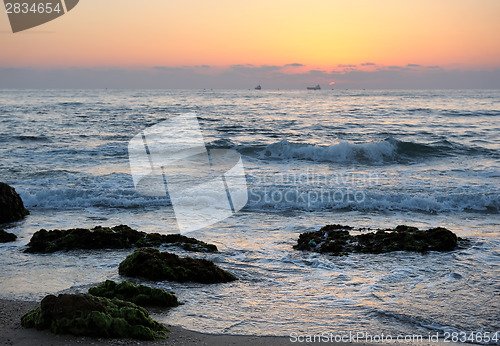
(362, 158)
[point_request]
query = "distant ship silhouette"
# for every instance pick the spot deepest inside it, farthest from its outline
(258, 87)
(317, 87)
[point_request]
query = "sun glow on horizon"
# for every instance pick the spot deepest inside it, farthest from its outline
(319, 35)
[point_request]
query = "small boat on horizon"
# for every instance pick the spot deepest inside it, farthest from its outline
(317, 87)
(258, 87)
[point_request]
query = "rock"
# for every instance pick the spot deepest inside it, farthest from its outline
(118, 237)
(6, 237)
(11, 205)
(337, 240)
(139, 295)
(155, 265)
(187, 243)
(87, 315)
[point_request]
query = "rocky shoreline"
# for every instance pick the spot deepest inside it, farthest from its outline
(6, 237)
(11, 205)
(116, 310)
(117, 237)
(88, 315)
(337, 240)
(13, 333)
(152, 264)
(106, 306)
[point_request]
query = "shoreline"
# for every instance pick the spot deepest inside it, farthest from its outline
(12, 333)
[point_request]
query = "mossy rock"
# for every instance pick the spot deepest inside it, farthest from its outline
(118, 237)
(155, 265)
(6, 237)
(11, 204)
(337, 240)
(88, 315)
(137, 294)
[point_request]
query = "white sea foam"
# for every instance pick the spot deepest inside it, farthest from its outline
(373, 152)
(280, 199)
(274, 198)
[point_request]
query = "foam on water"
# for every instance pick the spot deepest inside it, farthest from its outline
(389, 150)
(280, 199)
(343, 152)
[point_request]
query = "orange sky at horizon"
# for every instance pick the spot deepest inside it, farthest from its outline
(319, 34)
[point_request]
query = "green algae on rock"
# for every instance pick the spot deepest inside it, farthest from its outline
(137, 294)
(337, 240)
(11, 204)
(87, 315)
(6, 237)
(155, 265)
(118, 237)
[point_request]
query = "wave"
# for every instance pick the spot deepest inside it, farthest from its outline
(283, 199)
(31, 138)
(455, 112)
(221, 143)
(477, 113)
(7, 138)
(71, 104)
(74, 199)
(388, 150)
(69, 190)
(272, 198)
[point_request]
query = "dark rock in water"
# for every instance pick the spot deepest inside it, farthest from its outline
(155, 265)
(118, 237)
(11, 204)
(139, 295)
(6, 237)
(187, 243)
(87, 315)
(337, 240)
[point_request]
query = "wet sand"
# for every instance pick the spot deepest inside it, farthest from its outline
(12, 333)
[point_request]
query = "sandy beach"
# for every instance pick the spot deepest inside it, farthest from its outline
(12, 333)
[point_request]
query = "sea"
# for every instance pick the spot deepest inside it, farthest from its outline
(364, 158)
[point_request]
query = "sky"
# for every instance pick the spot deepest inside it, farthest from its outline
(276, 43)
